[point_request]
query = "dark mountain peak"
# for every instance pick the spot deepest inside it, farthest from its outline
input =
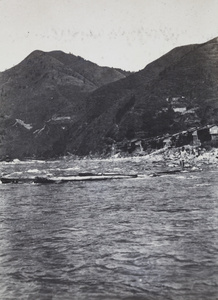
(33, 57)
(37, 60)
(67, 58)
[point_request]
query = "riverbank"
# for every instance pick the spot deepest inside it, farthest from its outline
(171, 157)
(193, 157)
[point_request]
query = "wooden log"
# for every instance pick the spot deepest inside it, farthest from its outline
(63, 179)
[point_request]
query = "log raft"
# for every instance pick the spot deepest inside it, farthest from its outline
(64, 179)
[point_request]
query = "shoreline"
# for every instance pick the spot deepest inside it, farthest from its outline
(170, 157)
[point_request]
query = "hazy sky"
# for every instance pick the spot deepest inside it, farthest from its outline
(119, 33)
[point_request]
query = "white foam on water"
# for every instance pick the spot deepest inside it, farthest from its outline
(13, 174)
(33, 171)
(180, 177)
(70, 169)
(144, 176)
(203, 184)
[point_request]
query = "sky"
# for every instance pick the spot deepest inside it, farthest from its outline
(126, 34)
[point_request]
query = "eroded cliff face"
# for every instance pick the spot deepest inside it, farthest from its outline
(55, 103)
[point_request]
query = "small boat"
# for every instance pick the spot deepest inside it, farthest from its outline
(175, 171)
(166, 172)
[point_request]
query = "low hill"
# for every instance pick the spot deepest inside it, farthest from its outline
(46, 87)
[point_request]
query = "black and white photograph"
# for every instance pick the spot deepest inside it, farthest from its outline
(109, 150)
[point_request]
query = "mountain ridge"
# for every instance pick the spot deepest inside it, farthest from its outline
(75, 106)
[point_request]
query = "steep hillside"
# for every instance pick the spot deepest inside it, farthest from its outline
(175, 92)
(46, 89)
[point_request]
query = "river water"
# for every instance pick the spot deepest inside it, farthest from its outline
(142, 238)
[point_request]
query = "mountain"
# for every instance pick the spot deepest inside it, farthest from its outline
(176, 92)
(55, 103)
(46, 88)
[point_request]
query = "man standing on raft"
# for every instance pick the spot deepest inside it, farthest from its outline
(182, 158)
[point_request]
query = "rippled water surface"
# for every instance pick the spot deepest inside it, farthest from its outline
(142, 238)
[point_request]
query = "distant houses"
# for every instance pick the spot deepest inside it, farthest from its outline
(196, 141)
(194, 136)
(214, 133)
